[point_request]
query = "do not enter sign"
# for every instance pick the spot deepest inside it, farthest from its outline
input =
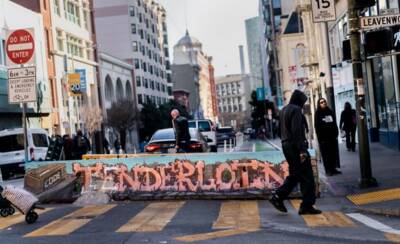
(20, 46)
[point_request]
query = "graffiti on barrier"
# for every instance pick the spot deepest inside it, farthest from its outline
(183, 176)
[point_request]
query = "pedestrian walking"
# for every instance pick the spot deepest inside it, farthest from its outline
(295, 149)
(348, 123)
(68, 146)
(327, 134)
(117, 145)
(81, 145)
(106, 146)
(181, 129)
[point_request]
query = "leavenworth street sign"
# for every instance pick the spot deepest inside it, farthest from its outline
(323, 10)
(372, 22)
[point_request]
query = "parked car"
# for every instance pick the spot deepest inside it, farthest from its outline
(163, 141)
(12, 155)
(207, 129)
(226, 134)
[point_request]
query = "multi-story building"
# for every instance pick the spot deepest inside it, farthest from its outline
(116, 84)
(254, 46)
(193, 71)
(38, 112)
(74, 52)
(233, 96)
(135, 31)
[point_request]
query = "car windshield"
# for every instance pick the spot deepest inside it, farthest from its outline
(204, 126)
(12, 143)
(225, 130)
(40, 140)
(169, 134)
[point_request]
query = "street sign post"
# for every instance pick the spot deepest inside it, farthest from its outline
(20, 49)
(323, 10)
(378, 21)
(22, 85)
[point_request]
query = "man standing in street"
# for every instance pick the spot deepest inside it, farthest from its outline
(294, 145)
(181, 128)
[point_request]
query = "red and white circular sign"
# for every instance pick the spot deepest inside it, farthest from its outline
(20, 46)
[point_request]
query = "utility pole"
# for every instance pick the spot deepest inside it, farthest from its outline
(366, 179)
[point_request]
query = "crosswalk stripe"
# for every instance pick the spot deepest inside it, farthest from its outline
(71, 222)
(326, 219)
(213, 235)
(376, 196)
(153, 218)
(18, 218)
(374, 224)
(238, 215)
(393, 237)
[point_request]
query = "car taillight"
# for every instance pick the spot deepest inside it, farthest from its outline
(152, 148)
(195, 146)
(32, 153)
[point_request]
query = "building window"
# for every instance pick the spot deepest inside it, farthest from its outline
(137, 64)
(89, 51)
(131, 11)
(133, 28)
(57, 7)
(72, 12)
(138, 81)
(86, 19)
(158, 86)
(60, 41)
(74, 46)
(152, 84)
(146, 83)
(140, 98)
(163, 88)
(135, 46)
(140, 18)
(144, 66)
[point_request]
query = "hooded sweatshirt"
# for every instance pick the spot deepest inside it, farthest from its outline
(293, 123)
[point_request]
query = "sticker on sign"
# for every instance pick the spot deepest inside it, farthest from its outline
(323, 10)
(22, 85)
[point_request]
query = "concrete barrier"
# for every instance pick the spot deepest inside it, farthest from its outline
(222, 175)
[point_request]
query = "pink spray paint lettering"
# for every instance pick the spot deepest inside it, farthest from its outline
(183, 176)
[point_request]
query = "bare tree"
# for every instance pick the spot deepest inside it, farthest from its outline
(122, 116)
(93, 118)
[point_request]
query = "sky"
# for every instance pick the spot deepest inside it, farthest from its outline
(218, 24)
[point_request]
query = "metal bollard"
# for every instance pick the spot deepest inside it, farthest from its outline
(230, 145)
(1, 177)
(224, 146)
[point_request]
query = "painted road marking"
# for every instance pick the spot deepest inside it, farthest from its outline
(214, 235)
(374, 197)
(238, 215)
(326, 219)
(18, 218)
(153, 218)
(71, 222)
(374, 224)
(393, 237)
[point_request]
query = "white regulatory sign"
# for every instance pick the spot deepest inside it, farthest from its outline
(323, 10)
(377, 21)
(22, 85)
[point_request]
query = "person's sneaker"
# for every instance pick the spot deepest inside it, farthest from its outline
(309, 210)
(337, 172)
(277, 203)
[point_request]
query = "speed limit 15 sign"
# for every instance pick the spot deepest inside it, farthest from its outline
(323, 10)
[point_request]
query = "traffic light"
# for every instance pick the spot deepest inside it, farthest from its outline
(362, 4)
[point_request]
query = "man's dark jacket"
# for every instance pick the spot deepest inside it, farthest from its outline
(292, 122)
(181, 127)
(325, 125)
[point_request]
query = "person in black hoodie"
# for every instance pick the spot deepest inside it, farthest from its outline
(327, 133)
(348, 123)
(295, 149)
(181, 128)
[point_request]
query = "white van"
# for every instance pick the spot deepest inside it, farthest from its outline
(12, 149)
(207, 129)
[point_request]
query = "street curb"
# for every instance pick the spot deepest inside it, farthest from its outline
(315, 233)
